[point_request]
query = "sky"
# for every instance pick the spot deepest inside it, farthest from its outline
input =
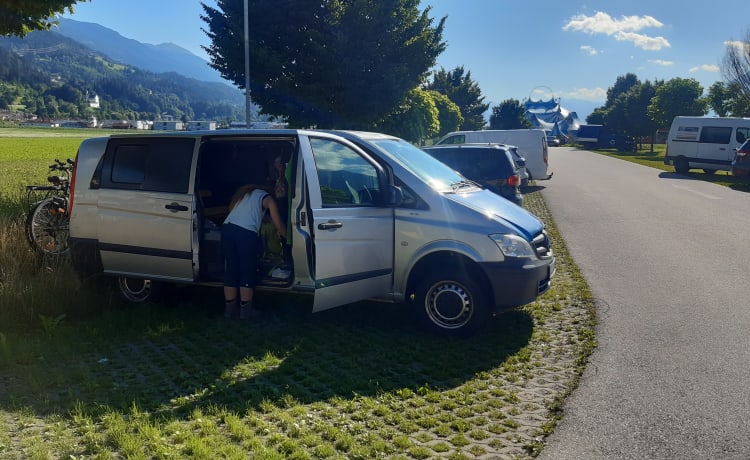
(537, 49)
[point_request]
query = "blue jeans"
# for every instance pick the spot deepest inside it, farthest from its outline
(240, 247)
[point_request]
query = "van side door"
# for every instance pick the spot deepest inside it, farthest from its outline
(146, 210)
(353, 228)
(714, 145)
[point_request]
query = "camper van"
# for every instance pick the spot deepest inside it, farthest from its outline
(531, 143)
(370, 216)
(706, 143)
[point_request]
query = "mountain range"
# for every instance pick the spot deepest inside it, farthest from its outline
(55, 74)
(163, 58)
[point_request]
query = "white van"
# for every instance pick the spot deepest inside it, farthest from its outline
(531, 144)
(370, 216)
(706, 143)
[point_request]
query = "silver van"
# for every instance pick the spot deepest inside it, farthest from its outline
(369, 216)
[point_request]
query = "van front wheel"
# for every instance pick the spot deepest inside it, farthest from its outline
(450, 303)
(136, 290)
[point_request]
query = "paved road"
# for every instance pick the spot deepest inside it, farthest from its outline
(668, 261)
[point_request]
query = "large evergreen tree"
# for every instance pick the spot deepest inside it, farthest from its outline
(325, 63)
(19, 17)
(465, 93)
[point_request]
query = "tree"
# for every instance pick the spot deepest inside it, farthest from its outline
(736, 64)
(465, 93)
(622, 85)
(678, 96)
(415, 120)
(509, 114)
(19, 17)
(330, 63)
(728, 100)
(449, 114)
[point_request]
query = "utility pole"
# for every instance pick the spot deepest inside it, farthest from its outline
(248, 120)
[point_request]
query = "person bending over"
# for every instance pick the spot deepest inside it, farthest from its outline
(240, 242)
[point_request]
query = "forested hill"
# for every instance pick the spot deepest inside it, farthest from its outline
(53, 76)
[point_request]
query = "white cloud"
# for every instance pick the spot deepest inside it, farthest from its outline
(661, 62)
(623, 29)
(587, 94)
(590, 50)
(704, 67)
(739, 45)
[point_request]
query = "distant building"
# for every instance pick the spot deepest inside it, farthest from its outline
(552, 117)
(94, 101)
(200, 125)
(168, 126)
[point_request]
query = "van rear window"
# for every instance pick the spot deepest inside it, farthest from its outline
(149, 164)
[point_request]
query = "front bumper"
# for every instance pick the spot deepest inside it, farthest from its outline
(518, 282)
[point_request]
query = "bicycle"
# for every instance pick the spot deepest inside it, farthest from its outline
(47, 222)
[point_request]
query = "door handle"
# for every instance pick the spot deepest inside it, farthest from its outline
(174, 207)
(331, 224)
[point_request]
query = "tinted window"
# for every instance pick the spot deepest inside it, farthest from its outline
(346, 178)
(742, 135)
(475, 163)
(457, 139)
(150, 164)
(716, 134)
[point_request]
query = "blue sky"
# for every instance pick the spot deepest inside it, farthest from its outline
(571, 49)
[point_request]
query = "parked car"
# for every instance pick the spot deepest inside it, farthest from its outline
(531, 143)
(491, 165)
(553, 141)
(370, 217)
(741, 161)
(521, 165)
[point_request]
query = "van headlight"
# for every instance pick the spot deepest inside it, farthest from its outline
(513, 246)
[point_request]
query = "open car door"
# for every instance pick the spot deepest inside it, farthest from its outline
(353, 230)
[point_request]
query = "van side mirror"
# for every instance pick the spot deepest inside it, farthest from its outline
(395, 195)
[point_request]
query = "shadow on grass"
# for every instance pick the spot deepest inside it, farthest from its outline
(172, 360)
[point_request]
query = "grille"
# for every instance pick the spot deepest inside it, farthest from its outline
(541, 245)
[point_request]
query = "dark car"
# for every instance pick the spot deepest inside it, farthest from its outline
(490, 165)
(741, 162)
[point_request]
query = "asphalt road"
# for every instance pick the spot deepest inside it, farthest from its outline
(668, 261)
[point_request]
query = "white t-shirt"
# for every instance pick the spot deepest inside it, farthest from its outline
(248, 213)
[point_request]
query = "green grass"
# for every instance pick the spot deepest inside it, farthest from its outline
(86, 376)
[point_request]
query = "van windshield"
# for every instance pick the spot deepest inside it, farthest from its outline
(431, 171)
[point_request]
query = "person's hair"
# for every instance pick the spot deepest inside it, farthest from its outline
(242, 191)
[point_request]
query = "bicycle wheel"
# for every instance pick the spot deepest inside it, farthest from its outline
(47, 228)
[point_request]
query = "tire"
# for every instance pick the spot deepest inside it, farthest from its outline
(450, 303)
(137, 290)
(709, 171)
(47, 229)
(681, 165)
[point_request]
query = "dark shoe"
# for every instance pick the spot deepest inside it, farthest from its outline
(248, 312)
(231, 309)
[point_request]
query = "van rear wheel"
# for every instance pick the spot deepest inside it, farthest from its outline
(137, 290)
(450, 303)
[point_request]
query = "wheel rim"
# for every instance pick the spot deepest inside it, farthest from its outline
(449, 305)
(49, 229)
(135, 289)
